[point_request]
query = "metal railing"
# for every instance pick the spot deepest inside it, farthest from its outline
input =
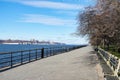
(12, 59)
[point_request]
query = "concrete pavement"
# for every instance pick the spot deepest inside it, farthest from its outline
(79, 64)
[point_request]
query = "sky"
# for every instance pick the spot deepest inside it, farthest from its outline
(48, 20)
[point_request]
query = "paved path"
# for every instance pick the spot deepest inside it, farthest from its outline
(79, 64)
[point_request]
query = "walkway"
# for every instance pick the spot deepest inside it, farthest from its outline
(79, 64)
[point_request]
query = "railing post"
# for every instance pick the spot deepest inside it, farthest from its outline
(53, 51)
(29, 55)
(21, 57)
(47, 52)
(36, 54)
(42, 53)
(11, 60)
(50, 52)
(57, 50)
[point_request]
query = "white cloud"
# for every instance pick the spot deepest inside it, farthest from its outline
(49, 4)
(68, 13)
(52, 5)
(71, 40)
(90, 0)
(46, 20)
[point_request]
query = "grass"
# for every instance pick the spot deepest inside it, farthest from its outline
(112, 51)
(115, 53)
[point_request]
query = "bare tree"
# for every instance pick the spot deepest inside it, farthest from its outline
(101, 23)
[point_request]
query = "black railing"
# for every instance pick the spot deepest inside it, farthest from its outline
(12, 59)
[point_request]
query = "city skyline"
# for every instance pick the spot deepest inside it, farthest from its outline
(49, 20)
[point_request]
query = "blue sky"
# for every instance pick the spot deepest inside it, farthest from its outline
(49, 20)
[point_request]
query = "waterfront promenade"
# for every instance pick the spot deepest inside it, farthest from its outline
(79, 64)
